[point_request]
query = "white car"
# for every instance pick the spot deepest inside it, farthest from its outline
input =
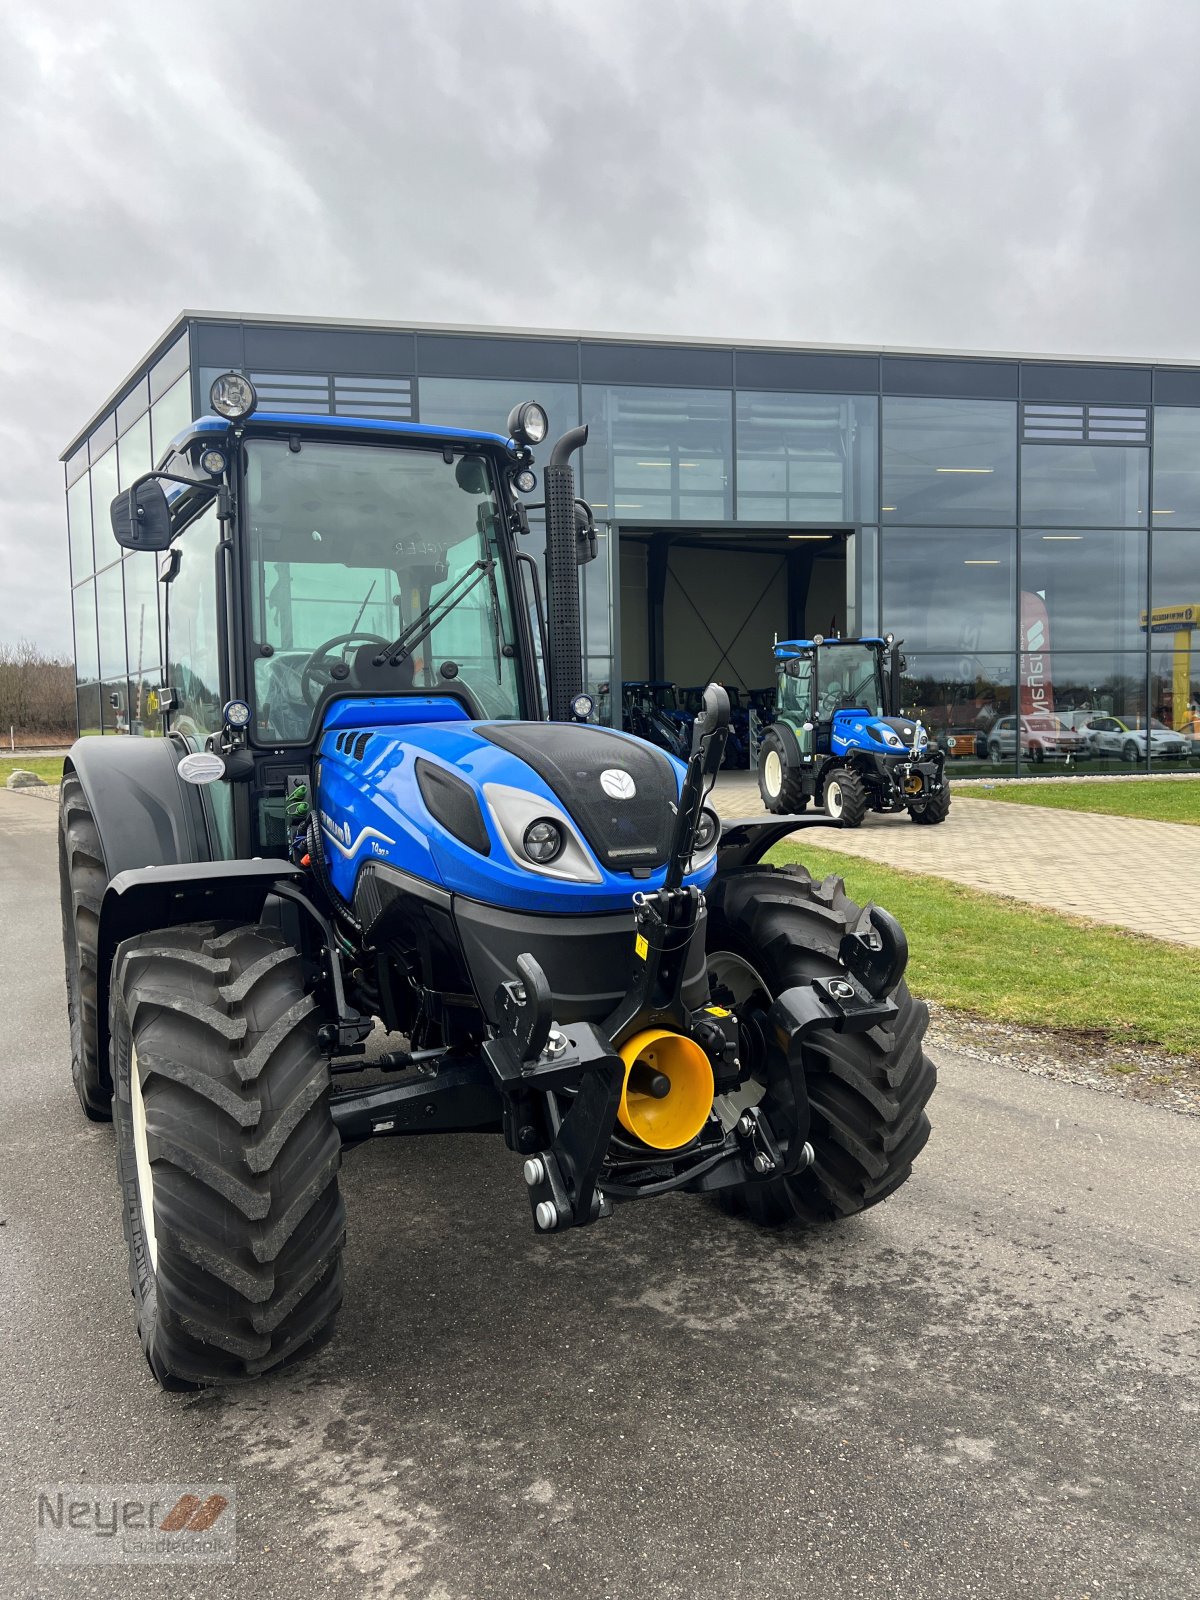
(1126, 737)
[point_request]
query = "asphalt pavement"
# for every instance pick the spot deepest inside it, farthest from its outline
(985, 1388)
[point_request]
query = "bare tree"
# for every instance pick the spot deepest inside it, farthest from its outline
(37, 693)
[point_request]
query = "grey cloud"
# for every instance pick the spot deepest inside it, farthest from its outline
(999, 175)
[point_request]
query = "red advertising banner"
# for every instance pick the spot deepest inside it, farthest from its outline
(1033, 675)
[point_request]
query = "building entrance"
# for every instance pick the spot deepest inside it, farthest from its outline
(698, 607)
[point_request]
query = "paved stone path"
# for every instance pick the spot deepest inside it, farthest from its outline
(1144, 876)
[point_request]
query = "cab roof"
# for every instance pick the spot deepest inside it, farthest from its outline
(319, 423)
(794, 646)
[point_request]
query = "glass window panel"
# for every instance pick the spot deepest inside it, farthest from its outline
(1175, 582)
(949, 589)
(1176, 499)
(658, 454)
(949, 461)
(104, 491)
(960, 699)
(76, 464)
(1175, 701)
(806, 457)
(1085, 486)
(91, 722)
(110, 609)
(485, 403)
(170, 416)
(79, 523)
(169, 367)
(133, 452)
(134, 405)
(141, 612)
(1088, 589)
(862, 582)
(1096, 706)
(87, 656)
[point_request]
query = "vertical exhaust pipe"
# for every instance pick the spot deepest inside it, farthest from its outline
(564, 669)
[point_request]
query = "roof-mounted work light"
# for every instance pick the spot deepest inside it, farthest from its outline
(528, 423)
(232, 396)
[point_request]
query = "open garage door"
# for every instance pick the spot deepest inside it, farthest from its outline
(699, 607)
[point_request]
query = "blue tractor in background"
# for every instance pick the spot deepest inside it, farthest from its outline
(839, 737)
(365, 883)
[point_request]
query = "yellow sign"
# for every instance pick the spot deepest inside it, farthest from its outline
(1170, 619)
(152, 703)
(642, 945)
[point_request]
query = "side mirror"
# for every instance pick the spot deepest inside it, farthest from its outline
(586, 548)
(141, 517)
(710, 729)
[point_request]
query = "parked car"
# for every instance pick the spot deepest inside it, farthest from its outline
(1042, 736)
(1126, 737)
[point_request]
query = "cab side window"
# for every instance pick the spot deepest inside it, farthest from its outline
(194, 659)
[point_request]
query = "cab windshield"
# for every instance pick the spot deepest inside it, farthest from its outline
(849, 677)
(348, 545)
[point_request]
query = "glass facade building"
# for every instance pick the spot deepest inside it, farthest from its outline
(1029, 527)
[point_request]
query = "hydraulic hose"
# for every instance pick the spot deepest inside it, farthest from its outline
(316, 855)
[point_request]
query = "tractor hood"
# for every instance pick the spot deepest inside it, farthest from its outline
(450, 804)
(858, 730)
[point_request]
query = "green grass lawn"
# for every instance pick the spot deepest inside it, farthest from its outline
(48, 768)
(1166, 801)
(994, 958)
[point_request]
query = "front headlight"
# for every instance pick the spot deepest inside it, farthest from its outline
(708, 835)
(891, 737)
(539, 837)
(543, 841)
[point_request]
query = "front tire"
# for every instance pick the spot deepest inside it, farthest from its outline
(845, 798)
(1130, 752)
(779, 784)
(768, 930)
(933, 810)
(227, 1153)
(82, 879)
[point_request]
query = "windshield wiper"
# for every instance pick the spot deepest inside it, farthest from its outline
(434, 614)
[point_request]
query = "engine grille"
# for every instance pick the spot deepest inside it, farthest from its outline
(569, 758)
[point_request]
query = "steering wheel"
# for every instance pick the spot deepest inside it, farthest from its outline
(831, 701)
(317, 672)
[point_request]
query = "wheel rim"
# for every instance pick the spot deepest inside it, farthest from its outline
(141, 1151)
(835, 800)
(743, 982)
(773, 774)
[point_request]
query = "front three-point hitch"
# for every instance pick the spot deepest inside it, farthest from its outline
(651, 1102)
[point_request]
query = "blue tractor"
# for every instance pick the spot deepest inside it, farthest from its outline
(839, 736)
(366, 884)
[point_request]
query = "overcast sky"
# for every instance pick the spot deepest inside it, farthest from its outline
(1011, 176)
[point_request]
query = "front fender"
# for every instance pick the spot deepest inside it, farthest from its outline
(141, 899)
(145, 813)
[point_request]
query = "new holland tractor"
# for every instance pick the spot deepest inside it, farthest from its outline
(360, 853)
(839, 737)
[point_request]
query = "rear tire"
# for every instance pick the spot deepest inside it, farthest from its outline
(779, 784)
(867, 1092)
(845, 798)
(227, 1153)
(82, 879)
(933, 810)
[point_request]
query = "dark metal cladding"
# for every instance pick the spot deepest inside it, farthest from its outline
(570, 759)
